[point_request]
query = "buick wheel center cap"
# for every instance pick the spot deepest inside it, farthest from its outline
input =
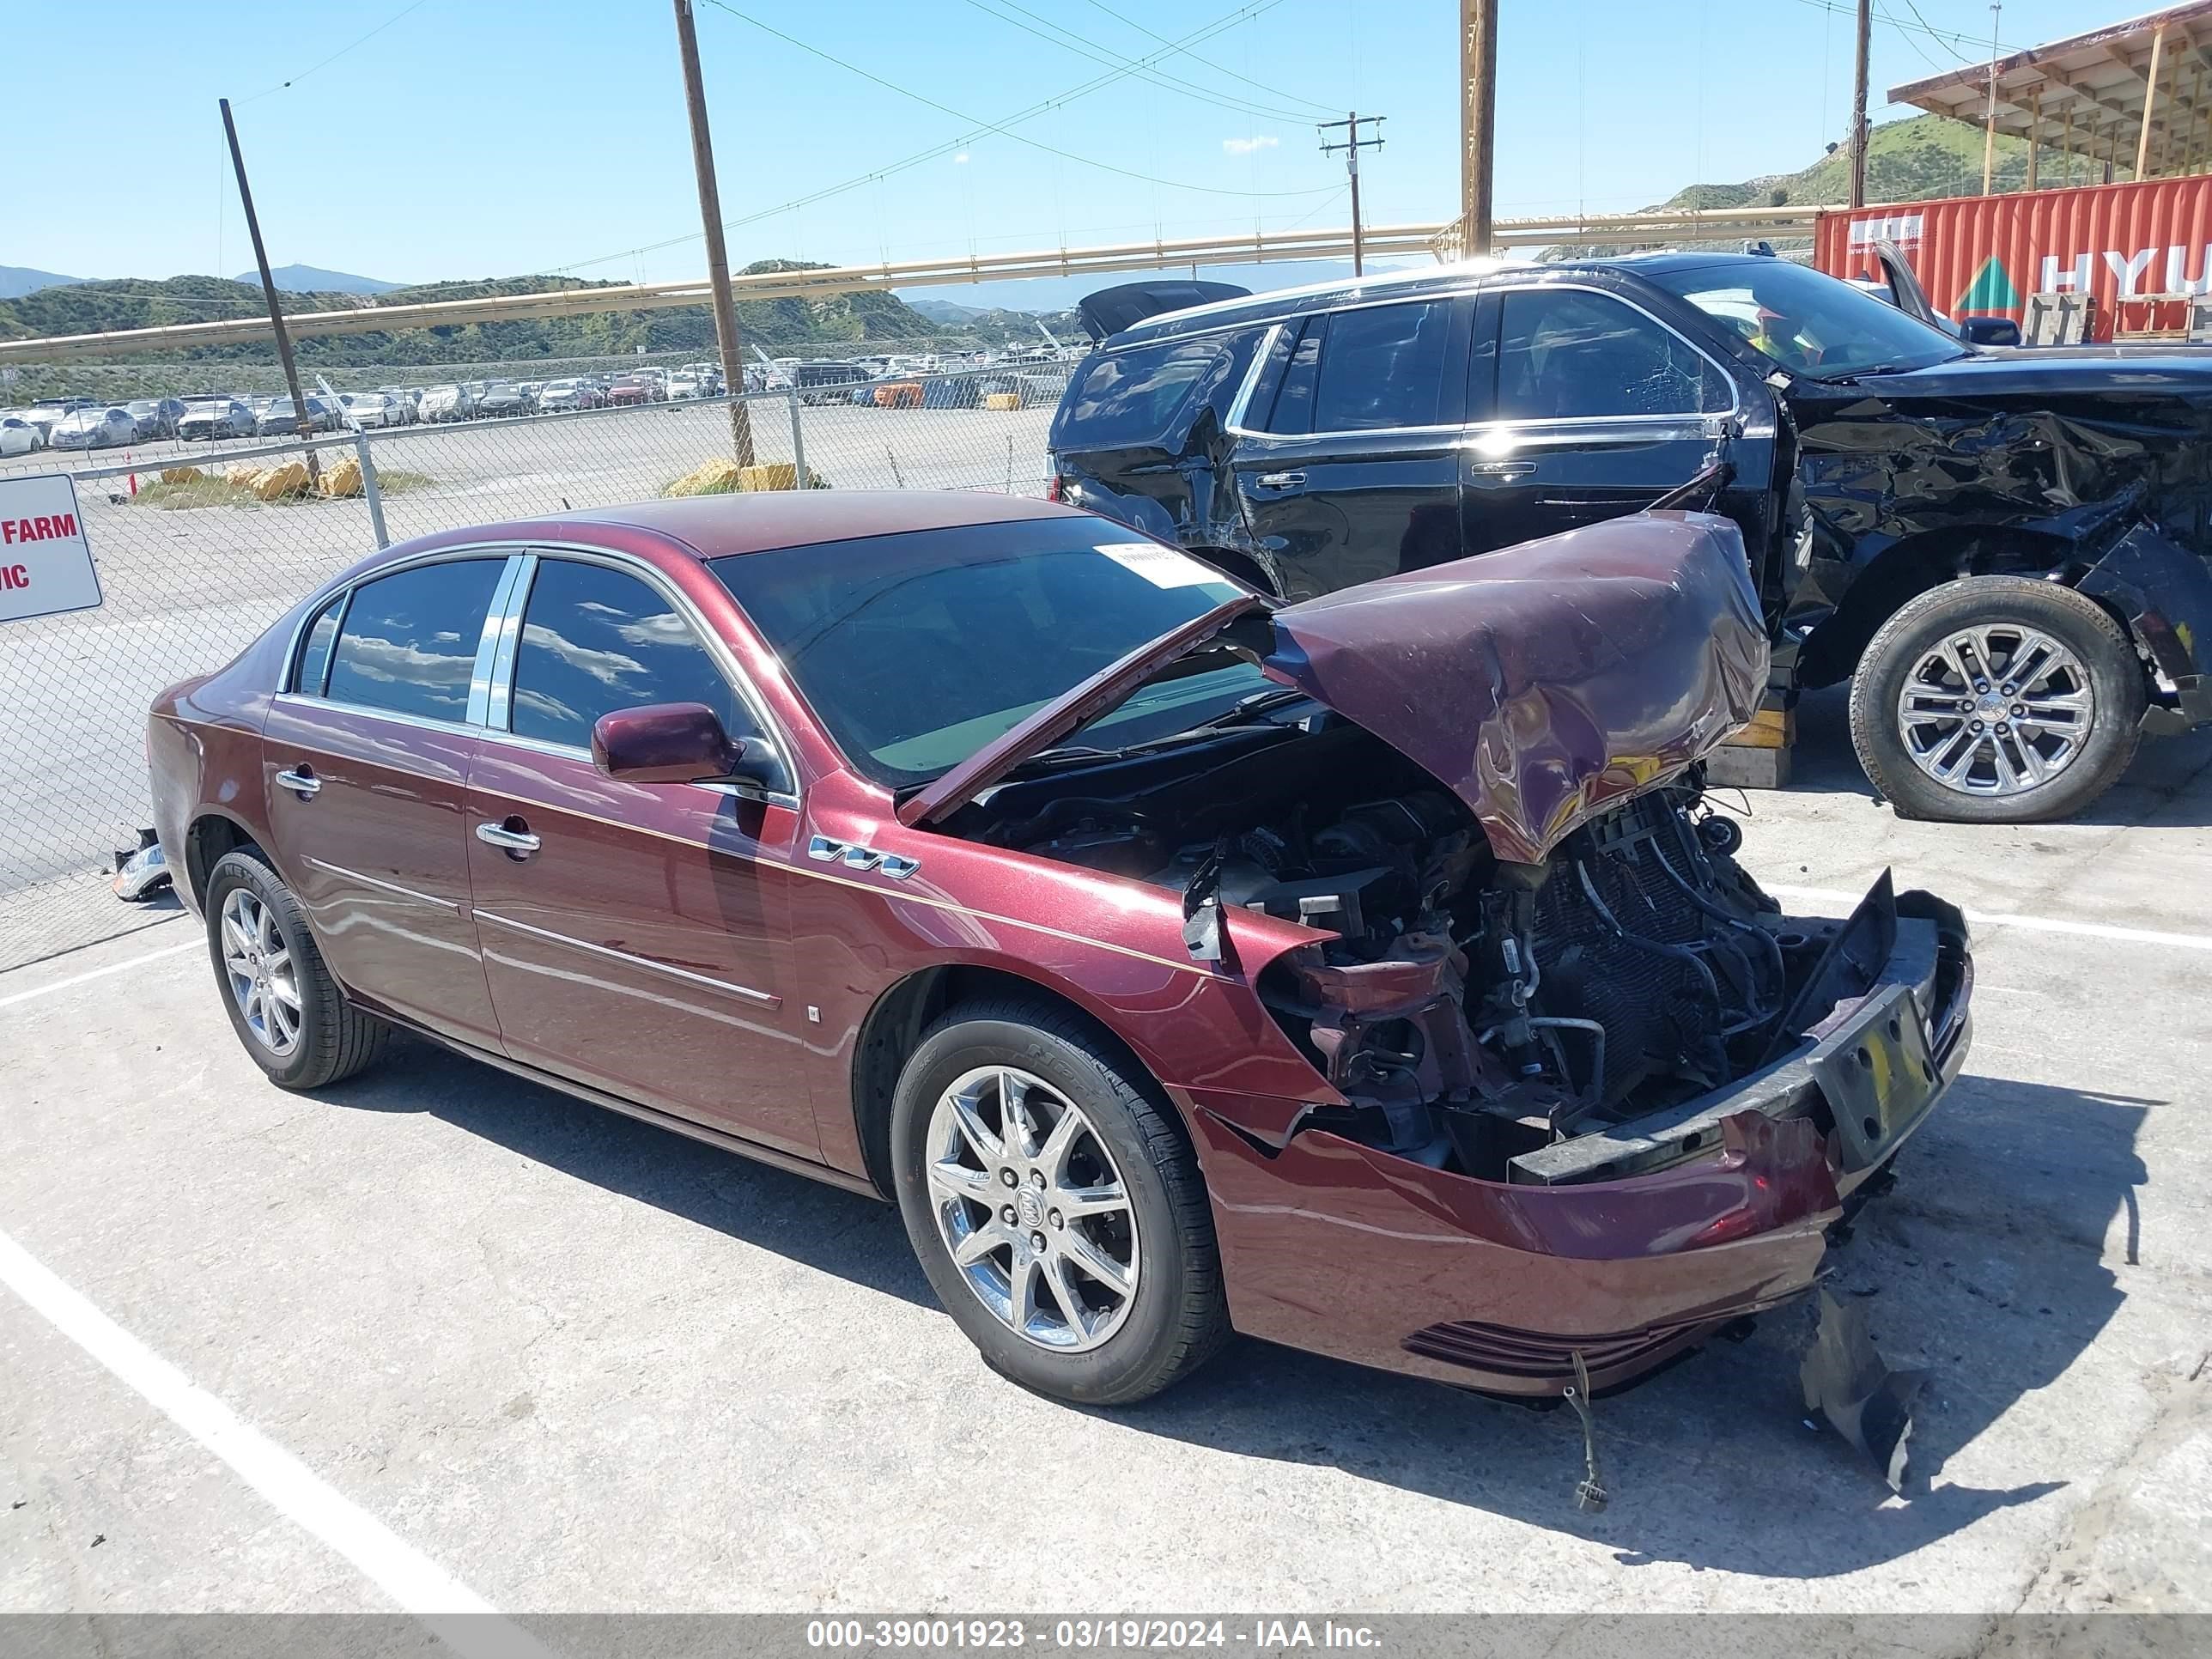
(1031, 1206)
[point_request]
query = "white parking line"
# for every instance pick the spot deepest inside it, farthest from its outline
(2033, 924)
(460, 1617)
(97, 973)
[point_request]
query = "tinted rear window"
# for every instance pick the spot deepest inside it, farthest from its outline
(409, 643)
(1149, 396)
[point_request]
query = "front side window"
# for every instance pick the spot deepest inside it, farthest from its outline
(408, 641)
(1383, 366)
(916, 650)
(595, 639)
(1293, 412)
(1567, 354)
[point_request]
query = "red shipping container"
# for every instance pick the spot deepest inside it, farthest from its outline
(1984, 255)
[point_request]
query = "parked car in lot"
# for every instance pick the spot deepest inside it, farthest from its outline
(403, 400)
(369, 408)
(207, 418)
(18, 436)
(280, 419)
(827, 382)
(633, 389)
(560, 395)
(447, 403)
(2003, 552)
(502, 398)
(93, 429)
(48, 412)
(1369, 972)
(156, 417)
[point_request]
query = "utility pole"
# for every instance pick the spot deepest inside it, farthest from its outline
(268, 290)
(1859, 105)
(1478, 66)
(1989, 120)
(1352, 145)
(717, 256)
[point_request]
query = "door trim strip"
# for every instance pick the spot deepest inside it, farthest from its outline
(766, 998)
(386, 886)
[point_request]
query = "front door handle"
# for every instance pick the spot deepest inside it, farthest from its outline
(511, 836)
(1280, 480)
(301, 781)
(1501, 469)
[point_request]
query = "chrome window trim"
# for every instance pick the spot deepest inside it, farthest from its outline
(480, 676)
(1480, 282)
(319, 601)
(1242, 402)
(1735, 392)
(717, 648)
(738, 789)
(505, 632)
(766, 998)
(422, 722)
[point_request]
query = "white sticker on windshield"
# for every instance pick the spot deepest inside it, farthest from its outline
(1163, 566)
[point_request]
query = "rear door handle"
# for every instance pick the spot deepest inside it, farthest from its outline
(1280, 480)
(301, 781)
(1501, 469)
(510, 835)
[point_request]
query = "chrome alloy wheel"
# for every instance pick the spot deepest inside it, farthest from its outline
(259, 965)
(1032, 1208)
(1995, 710)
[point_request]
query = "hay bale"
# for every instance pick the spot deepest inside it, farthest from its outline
(716, 477)
(279, 481)
(1002, 401)
(178, 474)
(343, 479)
(241, 473)
(772, 475)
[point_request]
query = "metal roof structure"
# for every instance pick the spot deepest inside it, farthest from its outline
(2136, 94)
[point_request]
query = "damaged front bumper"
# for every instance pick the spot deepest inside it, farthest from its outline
(1626, 1246)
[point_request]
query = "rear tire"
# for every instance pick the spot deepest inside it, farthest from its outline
(1145, 1220)
(289, 1012)
(1916, 716)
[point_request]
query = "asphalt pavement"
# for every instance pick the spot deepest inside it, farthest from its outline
(251, 1344)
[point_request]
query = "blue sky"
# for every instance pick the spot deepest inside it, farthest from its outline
(481, 137)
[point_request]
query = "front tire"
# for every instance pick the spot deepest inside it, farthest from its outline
(1997, 700)
(1055, 1206)
(289, 1012)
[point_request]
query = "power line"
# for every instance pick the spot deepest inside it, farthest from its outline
(1067, 41)
(1947, 46)
(340, 52)
(1217, 69)
(1003, 129)
(950, 146)
(1950, 38)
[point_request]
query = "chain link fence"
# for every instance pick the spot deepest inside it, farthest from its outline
(200, 545)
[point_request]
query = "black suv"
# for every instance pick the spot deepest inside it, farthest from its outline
(2002, 550)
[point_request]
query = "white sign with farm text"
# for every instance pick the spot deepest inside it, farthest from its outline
(45, 562)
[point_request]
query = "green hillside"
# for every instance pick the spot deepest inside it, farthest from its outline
(776, 325)
(1917, 159)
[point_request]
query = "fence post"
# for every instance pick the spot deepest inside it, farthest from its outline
(369, 488)
(798, 444)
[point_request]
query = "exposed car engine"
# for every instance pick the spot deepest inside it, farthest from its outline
(1470, 1009)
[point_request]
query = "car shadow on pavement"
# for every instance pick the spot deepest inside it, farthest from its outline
(1984, 1264)
(836, 1231)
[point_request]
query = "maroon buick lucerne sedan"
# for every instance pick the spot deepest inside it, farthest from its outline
(1368, 974)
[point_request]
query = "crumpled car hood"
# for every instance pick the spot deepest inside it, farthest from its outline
(1541, 683)
(1538, 684)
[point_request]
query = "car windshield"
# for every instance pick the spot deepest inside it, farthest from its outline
(916, 650)
(1811, 324)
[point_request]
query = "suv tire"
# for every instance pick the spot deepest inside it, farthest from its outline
(1914, 714)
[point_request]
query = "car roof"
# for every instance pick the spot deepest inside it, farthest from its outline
(716, 527)
(1278, 303)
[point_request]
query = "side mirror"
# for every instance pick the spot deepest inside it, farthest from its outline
(664, 742)
(1989, 330)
